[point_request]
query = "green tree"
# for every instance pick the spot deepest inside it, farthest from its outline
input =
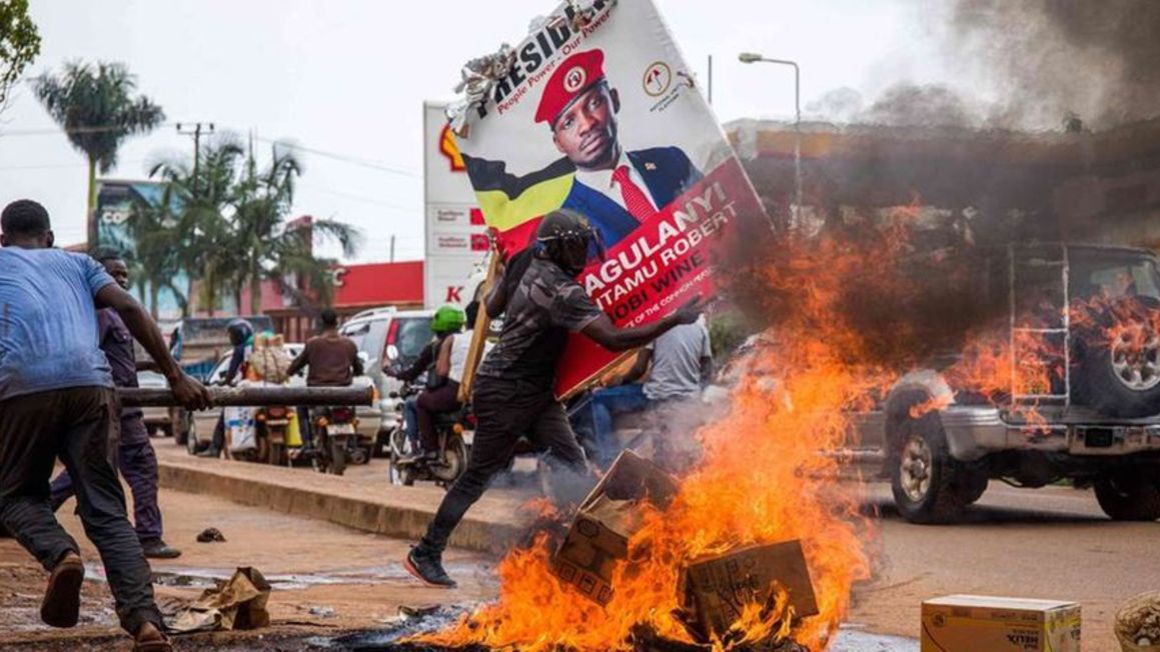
(19, 43)
(202, 224)
(263, 247)
(95, 106)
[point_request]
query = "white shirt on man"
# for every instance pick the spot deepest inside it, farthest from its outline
(602, 182)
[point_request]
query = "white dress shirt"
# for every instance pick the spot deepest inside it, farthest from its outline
(601, 181)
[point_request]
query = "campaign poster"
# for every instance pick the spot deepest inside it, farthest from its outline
(455, 231)
(599, 113)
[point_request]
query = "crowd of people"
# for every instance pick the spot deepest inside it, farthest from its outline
(67, 326)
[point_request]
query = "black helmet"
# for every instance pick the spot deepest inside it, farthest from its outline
(239, 330)
(567, 238)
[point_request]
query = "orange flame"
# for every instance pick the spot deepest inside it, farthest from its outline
(763, 477)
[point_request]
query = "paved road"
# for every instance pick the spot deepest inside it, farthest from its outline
(1051, 543)
(1047, 543)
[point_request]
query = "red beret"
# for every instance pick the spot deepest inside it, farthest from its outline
(575, 74)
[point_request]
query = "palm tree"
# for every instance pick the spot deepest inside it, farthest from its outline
(95, 106)
(203, 226)
(266, 249)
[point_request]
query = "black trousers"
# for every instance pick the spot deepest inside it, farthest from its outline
(138, 464)
(80, 427)
(504, 411)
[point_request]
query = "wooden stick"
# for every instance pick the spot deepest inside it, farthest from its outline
(234, 396)
(479, 331)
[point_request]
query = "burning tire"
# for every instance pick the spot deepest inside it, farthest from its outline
(930, 486)
(1131, 494)
(1119, 372)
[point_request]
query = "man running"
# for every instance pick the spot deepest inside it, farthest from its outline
(135, 456)
(513, 392)
(57, 401)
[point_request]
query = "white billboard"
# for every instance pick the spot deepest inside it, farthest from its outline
(456, 235)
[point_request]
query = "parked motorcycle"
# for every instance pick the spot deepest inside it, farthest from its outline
(273, 428)
(336, 440)
(452, 427)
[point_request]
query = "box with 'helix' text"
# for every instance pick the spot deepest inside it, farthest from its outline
(974, 623)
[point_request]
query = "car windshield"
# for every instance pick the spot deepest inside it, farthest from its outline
(1113, 275)
(357, 333)
(414, 333)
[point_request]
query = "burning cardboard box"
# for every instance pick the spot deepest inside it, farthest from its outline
(606, 520)
(717, 588)
(968, 623)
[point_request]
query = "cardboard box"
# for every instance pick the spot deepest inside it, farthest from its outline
(606, 520)
(717, 588)
(972, 623)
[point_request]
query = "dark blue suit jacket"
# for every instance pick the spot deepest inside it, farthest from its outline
(666, 171)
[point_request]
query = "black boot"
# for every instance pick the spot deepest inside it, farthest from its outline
(428, 568)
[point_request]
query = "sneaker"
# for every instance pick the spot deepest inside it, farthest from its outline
(428, 569)
(150, 639)
(424, 458)
(160, 550)
(62, 599)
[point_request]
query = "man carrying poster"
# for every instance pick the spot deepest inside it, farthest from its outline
(514, 388)
(596, 112)
(617, 190)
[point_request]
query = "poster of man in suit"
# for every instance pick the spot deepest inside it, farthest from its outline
(599, 113)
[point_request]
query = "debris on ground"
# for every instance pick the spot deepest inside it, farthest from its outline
(606, 520)
(210, 534)
(717, 588)
(1138, 623)
(236, 603)
(322, 612)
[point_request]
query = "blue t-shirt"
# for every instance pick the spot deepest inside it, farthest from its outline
(48, 322)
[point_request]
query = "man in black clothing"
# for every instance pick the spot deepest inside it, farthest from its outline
(513, 393)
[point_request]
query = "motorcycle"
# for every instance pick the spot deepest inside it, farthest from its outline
(407, 468)
(273, 426)
(336, 440)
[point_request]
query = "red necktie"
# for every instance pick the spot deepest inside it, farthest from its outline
(635, 201)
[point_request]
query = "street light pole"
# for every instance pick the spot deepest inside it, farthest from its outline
(751, 57)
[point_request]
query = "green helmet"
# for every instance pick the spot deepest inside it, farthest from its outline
(448, 319)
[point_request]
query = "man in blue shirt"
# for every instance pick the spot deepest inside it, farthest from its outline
(57, 401)
(137, 461)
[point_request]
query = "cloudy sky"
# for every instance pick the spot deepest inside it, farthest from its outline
(347, 79)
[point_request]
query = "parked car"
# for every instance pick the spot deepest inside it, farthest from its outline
(1096, 422)
(203, 423)
(388, 336)
(157, 419)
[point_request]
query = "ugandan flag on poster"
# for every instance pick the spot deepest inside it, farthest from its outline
(513, 205)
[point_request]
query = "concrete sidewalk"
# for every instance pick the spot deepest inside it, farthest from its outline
(365, 501)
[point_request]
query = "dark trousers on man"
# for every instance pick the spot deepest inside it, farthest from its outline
(430, 403)
(79, 426)
(505, 410)
(138, 464)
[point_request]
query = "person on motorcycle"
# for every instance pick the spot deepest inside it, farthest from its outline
(332, 358)
(513, 393)
(442, 392)
(241, 334)
(679, 366)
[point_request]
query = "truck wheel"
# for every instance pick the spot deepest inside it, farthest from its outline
(1130, 494)
(928, 485)
(1119, 375)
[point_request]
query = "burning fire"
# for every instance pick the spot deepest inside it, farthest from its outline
(760, 479)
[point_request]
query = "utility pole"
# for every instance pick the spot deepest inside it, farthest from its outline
(392, 247)
(195, 130)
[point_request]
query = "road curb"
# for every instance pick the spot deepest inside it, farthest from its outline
(491, 525)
